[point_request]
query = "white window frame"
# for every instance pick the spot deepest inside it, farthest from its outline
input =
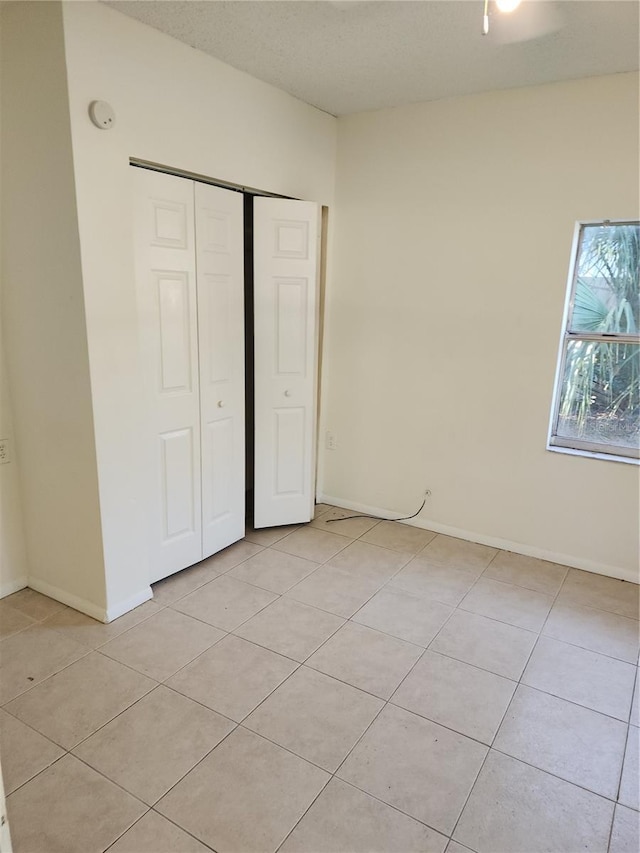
(576, 446)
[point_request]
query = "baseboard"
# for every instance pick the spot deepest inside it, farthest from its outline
(10, 587)
(492, 541)
(125, 606)
(73, 601)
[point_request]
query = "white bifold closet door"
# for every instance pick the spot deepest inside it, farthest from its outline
(286, 239)
(220, 287)
(189, 247)
(190, 288)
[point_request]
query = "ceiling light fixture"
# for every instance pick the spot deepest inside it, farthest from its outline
(507, 5)
(503, 6)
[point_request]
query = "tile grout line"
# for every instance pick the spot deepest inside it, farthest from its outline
(539, 634)
(506, 711)
(119, 714)
(240, 624)
(389, 700)
(147, 807)
(380, 711)
(573, 605)
(253, 582)
(135, 823)
(585, 648)
(555, 696)
(61, 630)
(389, 580)
(624, 757)
(299, 664)
(152, 807)
(177, 782)
(236, 724)
(489, 746)
(614, 801)
(70, 750)
(70, 754)
(42, 681)
(320, 562)
(346, 619)
(66, 751)
(32, 622)
(225, 716)
(217, 575)
(375, 717)
(626, 745)
(171, 821)
(373, 797)
(609, 799)
(254, 586)
(304, 814)
(193, 660)
(129, 666)
(35, 775)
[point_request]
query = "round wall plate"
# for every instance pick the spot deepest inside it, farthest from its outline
(102, 114)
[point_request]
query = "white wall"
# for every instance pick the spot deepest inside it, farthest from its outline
(13, 558)
(178, 107)
(43, 323)
(452, 233)
(13, 561)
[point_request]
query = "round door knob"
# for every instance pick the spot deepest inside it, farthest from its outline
(287, 393)
(220, 404)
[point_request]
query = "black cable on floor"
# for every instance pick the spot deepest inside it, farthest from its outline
(380, 517)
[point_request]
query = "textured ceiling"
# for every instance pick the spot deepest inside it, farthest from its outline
(346, 56)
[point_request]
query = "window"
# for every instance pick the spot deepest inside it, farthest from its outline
(596, 406)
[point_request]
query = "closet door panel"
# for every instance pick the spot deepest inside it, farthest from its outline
(220, 272)
(290, 450)
(167, 306)
(286, 259)
(177, 492)
(218, 438)
(175, 335)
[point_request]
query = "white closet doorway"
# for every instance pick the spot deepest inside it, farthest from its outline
(190, 246)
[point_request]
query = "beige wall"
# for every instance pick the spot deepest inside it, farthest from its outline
(13, 561)
(178, 107)
(452, 233)
(43, 322)
(447, 276)
(13, 558)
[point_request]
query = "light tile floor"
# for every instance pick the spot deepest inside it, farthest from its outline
(342, 687)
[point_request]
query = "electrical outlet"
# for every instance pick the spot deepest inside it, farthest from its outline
(4, 451)
(331, 440)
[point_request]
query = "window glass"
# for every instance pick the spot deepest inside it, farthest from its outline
(597, 401)
(606, 295)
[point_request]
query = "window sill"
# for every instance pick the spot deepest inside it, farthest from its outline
(591, 454)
